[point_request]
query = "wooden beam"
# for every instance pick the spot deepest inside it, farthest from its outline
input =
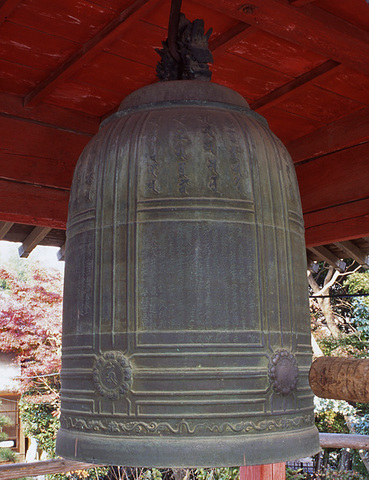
(325, 233)
(345, 132)
(230, 37)
(4, 229)
(327, 256)
(290, 88)
(344, 440)
(33, 239)
(300, 3)
(39, 154)
(48, 172)
(336, 179)
(90, 49)
(336, 214)
(6, 8)
(355, 253)
(33, 469)
(25, 137)
(33, 205)
(49, 116)
(340, 378)
(322, 33)
(61, 253)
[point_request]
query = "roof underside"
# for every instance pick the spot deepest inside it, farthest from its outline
(67, 64)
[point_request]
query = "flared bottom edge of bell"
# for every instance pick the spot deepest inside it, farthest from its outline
(164, 452)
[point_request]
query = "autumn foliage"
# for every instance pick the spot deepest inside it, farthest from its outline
(30, 322)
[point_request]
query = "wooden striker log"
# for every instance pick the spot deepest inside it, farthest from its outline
(340, 378)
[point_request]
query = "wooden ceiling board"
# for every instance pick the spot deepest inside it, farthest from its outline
(248, 78)
(32, 139)
(353, 11)
(131, 46)
(114, 73)
(75, 20)
(158, 16)
(281, 19)
(90, 49)
(347, 83)
(317, 104)
(292, 87)
(33, 205)
(32, 48)
(6, 9)
(212, 19)
(84, 98)
(335, 22)
(18, 79)
(288, 126)
(276, 53)
(48, 172)
(49, 116)
(347, 131)
(114, 5)
(66, 64)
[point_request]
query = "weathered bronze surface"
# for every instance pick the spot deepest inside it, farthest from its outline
(186, 332)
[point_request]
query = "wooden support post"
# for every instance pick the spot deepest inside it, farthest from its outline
(4, 229)
(33, 239)
(340, 378)
(312, 266)
(272, 471)
(60, 254)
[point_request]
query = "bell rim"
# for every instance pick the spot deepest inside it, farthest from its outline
(197, 452)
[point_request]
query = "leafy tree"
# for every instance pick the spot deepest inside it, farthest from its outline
(328, 309)
(30, 324)
(6, 454)
(347, 337)
(30, 328)
(358, 283)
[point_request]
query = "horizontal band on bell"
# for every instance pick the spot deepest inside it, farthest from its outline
(185, 103)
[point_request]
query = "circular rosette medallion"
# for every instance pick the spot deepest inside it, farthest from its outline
(283, 372)
(112, 375)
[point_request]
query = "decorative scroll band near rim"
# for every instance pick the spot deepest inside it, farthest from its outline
(184, 427)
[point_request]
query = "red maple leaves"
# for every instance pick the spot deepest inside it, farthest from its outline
(30, 322)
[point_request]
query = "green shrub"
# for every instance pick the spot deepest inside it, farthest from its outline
(6, 454)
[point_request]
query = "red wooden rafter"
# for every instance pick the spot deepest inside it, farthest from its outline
(90, 49)
(6, 8)
(285, 90)
(307, 26)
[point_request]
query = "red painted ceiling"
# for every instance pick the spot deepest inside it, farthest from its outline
(303, 64)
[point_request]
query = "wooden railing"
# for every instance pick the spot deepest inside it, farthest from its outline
(33, 469)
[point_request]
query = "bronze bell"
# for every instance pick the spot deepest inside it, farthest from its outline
(186, 330)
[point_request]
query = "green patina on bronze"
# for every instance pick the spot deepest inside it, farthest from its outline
(186, 330)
